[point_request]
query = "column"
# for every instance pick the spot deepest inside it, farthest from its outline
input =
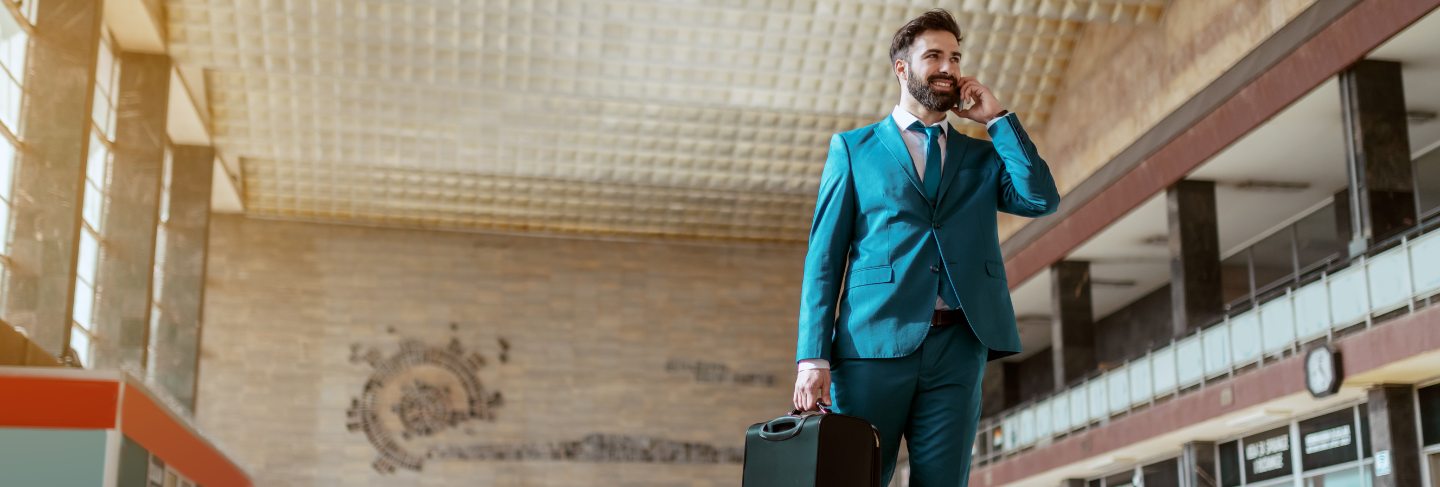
(1393, 433)
(127, 265)
(51, 172)
(1382, 183)
(175, 336)
(1197, 464)
(1072, 335)
(1195, 288)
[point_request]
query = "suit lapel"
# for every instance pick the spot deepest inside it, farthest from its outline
(954, 157)
(889, 136)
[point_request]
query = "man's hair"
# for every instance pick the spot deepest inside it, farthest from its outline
(935, 19)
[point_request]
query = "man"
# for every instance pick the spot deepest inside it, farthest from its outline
(905, 219)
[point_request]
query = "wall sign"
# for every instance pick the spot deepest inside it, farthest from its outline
(1267, 455)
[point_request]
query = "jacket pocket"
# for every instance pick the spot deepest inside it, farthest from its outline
(995, 269)
(870, 275)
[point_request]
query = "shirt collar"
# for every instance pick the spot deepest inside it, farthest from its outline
(904, 118)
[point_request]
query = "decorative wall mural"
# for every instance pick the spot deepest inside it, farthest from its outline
(714, 372)
(421, 399)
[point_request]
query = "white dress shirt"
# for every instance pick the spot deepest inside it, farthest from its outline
(915, 141)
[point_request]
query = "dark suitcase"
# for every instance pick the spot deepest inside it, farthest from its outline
(816, 450)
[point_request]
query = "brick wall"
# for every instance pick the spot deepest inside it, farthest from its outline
(601, 341)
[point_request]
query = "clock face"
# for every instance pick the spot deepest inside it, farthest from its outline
(1320, 371)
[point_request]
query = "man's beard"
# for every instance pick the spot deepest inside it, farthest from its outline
(929, 98)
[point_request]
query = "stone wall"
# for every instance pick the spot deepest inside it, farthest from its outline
(339, 355)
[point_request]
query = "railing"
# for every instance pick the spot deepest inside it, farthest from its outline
(1342, 297)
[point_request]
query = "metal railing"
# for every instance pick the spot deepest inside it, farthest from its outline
(1345, 295)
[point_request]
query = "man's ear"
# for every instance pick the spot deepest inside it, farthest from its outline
(900, 67)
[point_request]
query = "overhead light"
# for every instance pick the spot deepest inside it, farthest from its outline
(1257, 417)
(1159, 240)
(1419, 116)
(1262, 185)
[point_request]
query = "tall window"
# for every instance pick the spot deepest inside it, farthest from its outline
(97, 179)
(14, 43)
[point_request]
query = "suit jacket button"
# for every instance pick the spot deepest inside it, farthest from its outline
(934, 268)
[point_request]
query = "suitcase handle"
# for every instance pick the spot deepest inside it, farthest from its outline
(787, 426)
(781, 428)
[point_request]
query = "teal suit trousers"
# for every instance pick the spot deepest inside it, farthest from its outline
(931, 397)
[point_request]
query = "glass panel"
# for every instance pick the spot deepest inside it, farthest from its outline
(1328, 440)
(7, 169)
(1312, 310)
(1389, 276)
(1245, 338)
(4, 228)
(1430, 415)
(89, 257)
(1163, 366)
(1267, 455)
(1027, 426)
(1350, 477)
(1317, 237)
(1123, 479)
(1117, 383)
(10, 96)
(1217, 349)
(1273, 258)
(1427, 181)
(1189, 361)
(98, 161)
(1044, 428)
(1079, 408)
(84, 310)
(1348, 303)
(1060, 413)
(1235, 277)
(1142, 389)
(93, 205)
(1230, 464)
(1099, 407)
(1277, 324)
(1425, 263)
(13, 43)
(1162, 474)
(80, 343)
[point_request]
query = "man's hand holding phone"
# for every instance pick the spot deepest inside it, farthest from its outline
(983, 105)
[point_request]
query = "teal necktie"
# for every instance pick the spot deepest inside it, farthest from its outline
(932, 158)
(932, 182)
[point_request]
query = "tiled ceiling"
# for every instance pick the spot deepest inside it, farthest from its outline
(679, 119)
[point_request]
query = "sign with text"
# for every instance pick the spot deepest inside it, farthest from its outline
(1267, 455)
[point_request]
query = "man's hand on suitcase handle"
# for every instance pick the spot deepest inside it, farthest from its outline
(811, 386)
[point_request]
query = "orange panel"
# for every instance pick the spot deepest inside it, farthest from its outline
(50, 402)
(152, 427)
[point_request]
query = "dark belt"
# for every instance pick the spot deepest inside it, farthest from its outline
(947, 317)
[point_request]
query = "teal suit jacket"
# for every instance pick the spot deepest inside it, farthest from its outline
(876, 234)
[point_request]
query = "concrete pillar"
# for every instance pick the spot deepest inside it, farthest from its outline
(1394, 434)
(1072, 335)
(175, 336)
(1195, 287)
(1382, 181)
(1197, 465)
(51, 171)
(127, 265)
